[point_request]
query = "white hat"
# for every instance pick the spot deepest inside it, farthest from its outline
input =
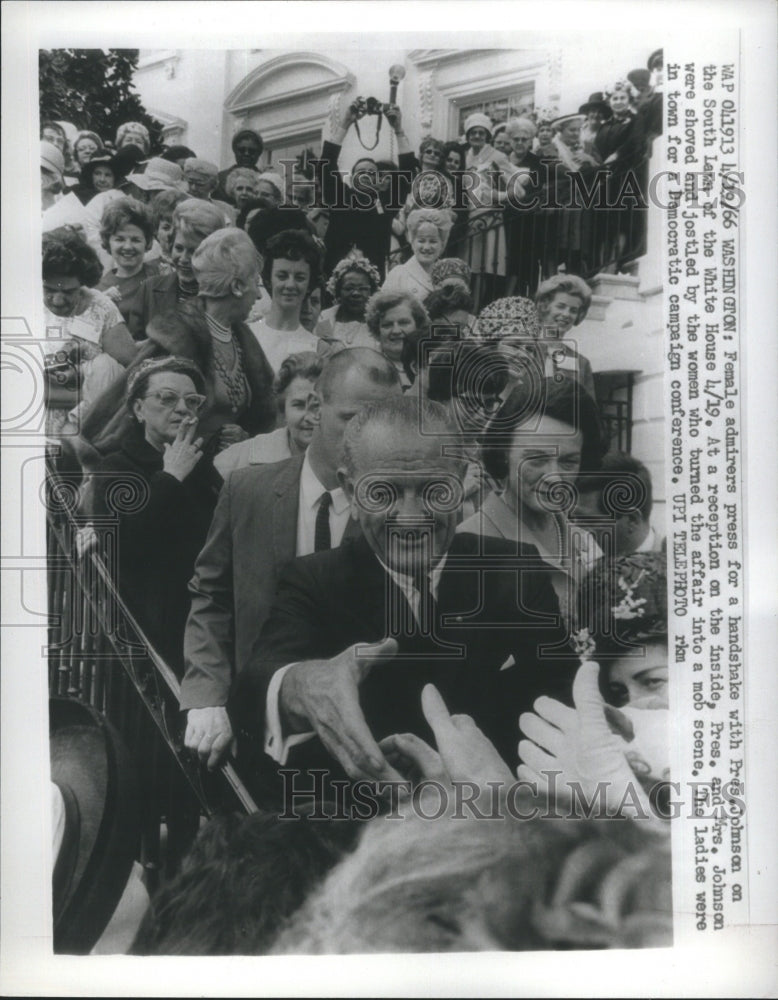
(52, 159)
(159, 175)
(273, 178)
(478, 120)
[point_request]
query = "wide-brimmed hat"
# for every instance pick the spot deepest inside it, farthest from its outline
(563, 120)
(656, 58)
(478, 120)
(52, 159)
(159, 175)
(598, 103)
(98, 840)
(200, 169)
(103, 160)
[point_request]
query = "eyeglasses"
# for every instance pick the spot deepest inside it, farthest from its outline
(193, 401)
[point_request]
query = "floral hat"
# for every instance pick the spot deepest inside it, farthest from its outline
(354, 260)
(633, 589)
(511, 317)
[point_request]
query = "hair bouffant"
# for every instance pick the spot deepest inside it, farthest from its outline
(125, 212)
(563, 284)
(67, 255)
(292, 244)
(565, 401)
(305, 365)
(380, 304)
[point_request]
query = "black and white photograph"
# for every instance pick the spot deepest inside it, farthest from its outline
(380, 562)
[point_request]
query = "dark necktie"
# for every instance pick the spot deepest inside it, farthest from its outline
(322, 538)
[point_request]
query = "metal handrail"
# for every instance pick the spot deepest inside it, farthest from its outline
(158, 684)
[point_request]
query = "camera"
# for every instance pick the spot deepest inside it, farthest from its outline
(363, 106)
(61, 367)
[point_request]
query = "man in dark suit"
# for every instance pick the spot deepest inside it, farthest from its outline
(265, 516)
(355, 634)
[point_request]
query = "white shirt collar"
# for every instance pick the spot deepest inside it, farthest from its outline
(311, 489)
(407, 584)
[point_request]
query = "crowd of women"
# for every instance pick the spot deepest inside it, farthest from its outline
(191, 316)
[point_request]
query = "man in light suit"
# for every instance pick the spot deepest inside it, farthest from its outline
(265, 517)
(355, 633)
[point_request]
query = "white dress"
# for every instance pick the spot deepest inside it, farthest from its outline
(279, 344)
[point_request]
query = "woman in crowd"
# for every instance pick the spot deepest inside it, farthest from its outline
(511, 325)
(211, 331)
(86, 336)
(312, 306)
(290, 267)
(621, 717)
(351, 284)
(126, 233)
(428, 230)
(562, 303)
(432, 188)
(247, 146)
(298, 407)
(162, 527)
(534, 448)
(133, 134)
(193, 219)
(454, 167)
(393, 318)
(87, 145)
(163, 205)
(98, 174)
(451, 306)
(242, 186)
(52, 174)
(492, 170)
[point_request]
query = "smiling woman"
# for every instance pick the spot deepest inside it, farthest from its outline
(291, 266)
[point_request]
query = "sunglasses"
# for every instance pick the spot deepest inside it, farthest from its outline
(169, 400)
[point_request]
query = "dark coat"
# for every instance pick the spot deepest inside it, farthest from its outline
(331, 600)
(158, 538)
(367, 228)
(252, 537)
(107, 421)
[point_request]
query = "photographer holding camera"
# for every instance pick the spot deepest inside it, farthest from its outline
(357, 216)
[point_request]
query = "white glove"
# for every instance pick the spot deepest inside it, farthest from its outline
(580, 744)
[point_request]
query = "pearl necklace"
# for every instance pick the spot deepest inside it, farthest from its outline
(218, 331)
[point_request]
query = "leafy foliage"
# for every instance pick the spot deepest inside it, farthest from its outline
(93, 89)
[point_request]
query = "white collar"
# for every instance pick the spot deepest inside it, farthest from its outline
(311, 489)
(406, 583)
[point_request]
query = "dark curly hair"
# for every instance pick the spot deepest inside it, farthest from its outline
(565, 401)
(291, 244)
(449, 298)
(67, 255)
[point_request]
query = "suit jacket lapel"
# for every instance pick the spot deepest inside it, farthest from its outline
(286, 502)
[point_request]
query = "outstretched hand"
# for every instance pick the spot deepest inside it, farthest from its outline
(463, 752)
(323, 695)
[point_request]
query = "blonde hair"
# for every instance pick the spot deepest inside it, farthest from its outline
(221, 258)
(513, 126)
(197, 218)
(434, 217)
(566, 284)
